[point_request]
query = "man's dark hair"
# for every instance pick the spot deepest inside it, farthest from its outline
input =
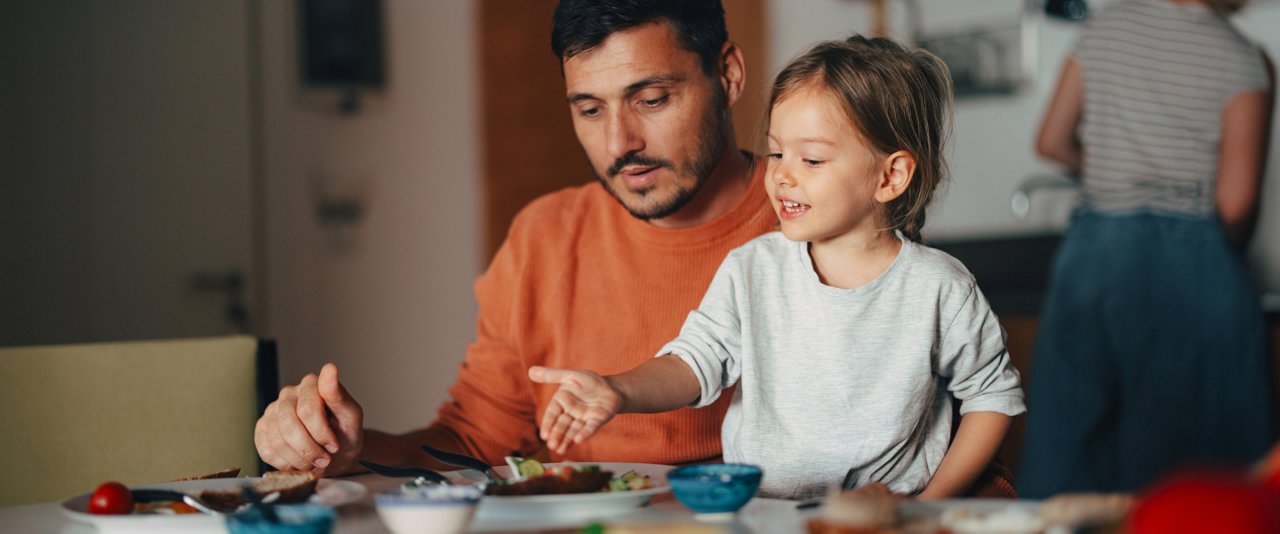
(581, 25)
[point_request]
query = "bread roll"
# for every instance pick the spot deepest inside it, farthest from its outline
(294, 486)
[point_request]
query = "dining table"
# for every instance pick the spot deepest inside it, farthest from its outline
(663, 513)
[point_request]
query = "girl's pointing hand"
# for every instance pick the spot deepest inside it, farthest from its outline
(584, 403)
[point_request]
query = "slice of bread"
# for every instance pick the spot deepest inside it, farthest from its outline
(230, 472)
(294, 486)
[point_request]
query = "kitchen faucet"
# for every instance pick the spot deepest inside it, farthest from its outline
(1020, 202)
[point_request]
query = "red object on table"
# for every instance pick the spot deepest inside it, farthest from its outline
(1208, 502)
(111, 498)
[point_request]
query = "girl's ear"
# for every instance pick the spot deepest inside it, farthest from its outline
(896, 173)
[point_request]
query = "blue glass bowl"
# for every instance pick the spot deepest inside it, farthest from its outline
(715, 488)
(290, 519)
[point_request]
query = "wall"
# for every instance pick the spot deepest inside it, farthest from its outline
(389, 299)
(32, 263)
(991, 152)
(126, 168)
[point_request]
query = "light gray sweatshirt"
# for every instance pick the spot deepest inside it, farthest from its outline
(831, 379)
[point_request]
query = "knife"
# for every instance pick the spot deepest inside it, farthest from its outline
(850, 480)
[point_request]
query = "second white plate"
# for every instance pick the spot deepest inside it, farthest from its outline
(575, 507)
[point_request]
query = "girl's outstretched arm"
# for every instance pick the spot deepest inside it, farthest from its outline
(975, 444)
(586, 400)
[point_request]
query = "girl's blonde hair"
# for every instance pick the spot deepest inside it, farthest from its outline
(898, 98)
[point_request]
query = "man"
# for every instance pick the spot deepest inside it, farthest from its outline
(596, 277)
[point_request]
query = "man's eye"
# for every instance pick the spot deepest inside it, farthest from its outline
(654, 102)
(589, 112)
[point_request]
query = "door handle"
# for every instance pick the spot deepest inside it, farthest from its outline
(231, 284)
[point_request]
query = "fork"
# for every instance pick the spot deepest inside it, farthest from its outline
(399, 472)
(462, 460)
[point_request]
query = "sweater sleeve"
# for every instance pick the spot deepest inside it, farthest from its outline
(973, 356)
(491, 411)
(710, 340)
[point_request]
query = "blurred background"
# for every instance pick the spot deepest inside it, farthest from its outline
(335, 173)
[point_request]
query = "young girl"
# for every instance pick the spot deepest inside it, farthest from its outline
(846, 337)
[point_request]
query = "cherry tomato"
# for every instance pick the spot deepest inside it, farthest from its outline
(111, 498)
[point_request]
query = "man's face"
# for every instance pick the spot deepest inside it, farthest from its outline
(652, 123)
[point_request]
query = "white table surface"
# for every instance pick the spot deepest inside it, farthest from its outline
(759, 516)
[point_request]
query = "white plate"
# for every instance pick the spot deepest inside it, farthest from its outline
(570, 508)
(976, 515)
(909, 508)
(328, 492)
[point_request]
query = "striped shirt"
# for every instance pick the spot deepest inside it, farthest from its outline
(1157, 76)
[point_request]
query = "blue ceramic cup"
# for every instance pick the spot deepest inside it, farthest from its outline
(715, 488)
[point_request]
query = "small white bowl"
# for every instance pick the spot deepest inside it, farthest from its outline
(437, 509)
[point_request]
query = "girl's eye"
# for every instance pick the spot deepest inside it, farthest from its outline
(812, 162)
(774, 155)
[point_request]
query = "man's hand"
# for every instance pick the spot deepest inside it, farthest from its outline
(313, 426)
(584, 403)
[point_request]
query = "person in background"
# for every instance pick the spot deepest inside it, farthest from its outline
(593, 276)
(846, 338)
(1151, 347)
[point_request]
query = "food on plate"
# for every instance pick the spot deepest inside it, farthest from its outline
(533, 478)
(294, 486)
(230, 472)
(525, 467)
(554, 484)
(163, 508)
(856, 512)
(114, 498)
(630, 481)
(111, 498)
(1081, 510)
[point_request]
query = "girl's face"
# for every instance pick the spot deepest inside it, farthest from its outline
(821, 177)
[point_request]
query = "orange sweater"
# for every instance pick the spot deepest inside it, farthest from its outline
(580, 283)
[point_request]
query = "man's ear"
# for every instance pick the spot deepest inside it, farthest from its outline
(733, 72)
(895, 174)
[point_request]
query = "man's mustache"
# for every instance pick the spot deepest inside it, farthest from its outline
(636, 159)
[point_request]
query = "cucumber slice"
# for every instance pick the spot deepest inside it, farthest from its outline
(528, 468)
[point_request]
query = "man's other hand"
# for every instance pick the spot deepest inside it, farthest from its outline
(313, 426)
